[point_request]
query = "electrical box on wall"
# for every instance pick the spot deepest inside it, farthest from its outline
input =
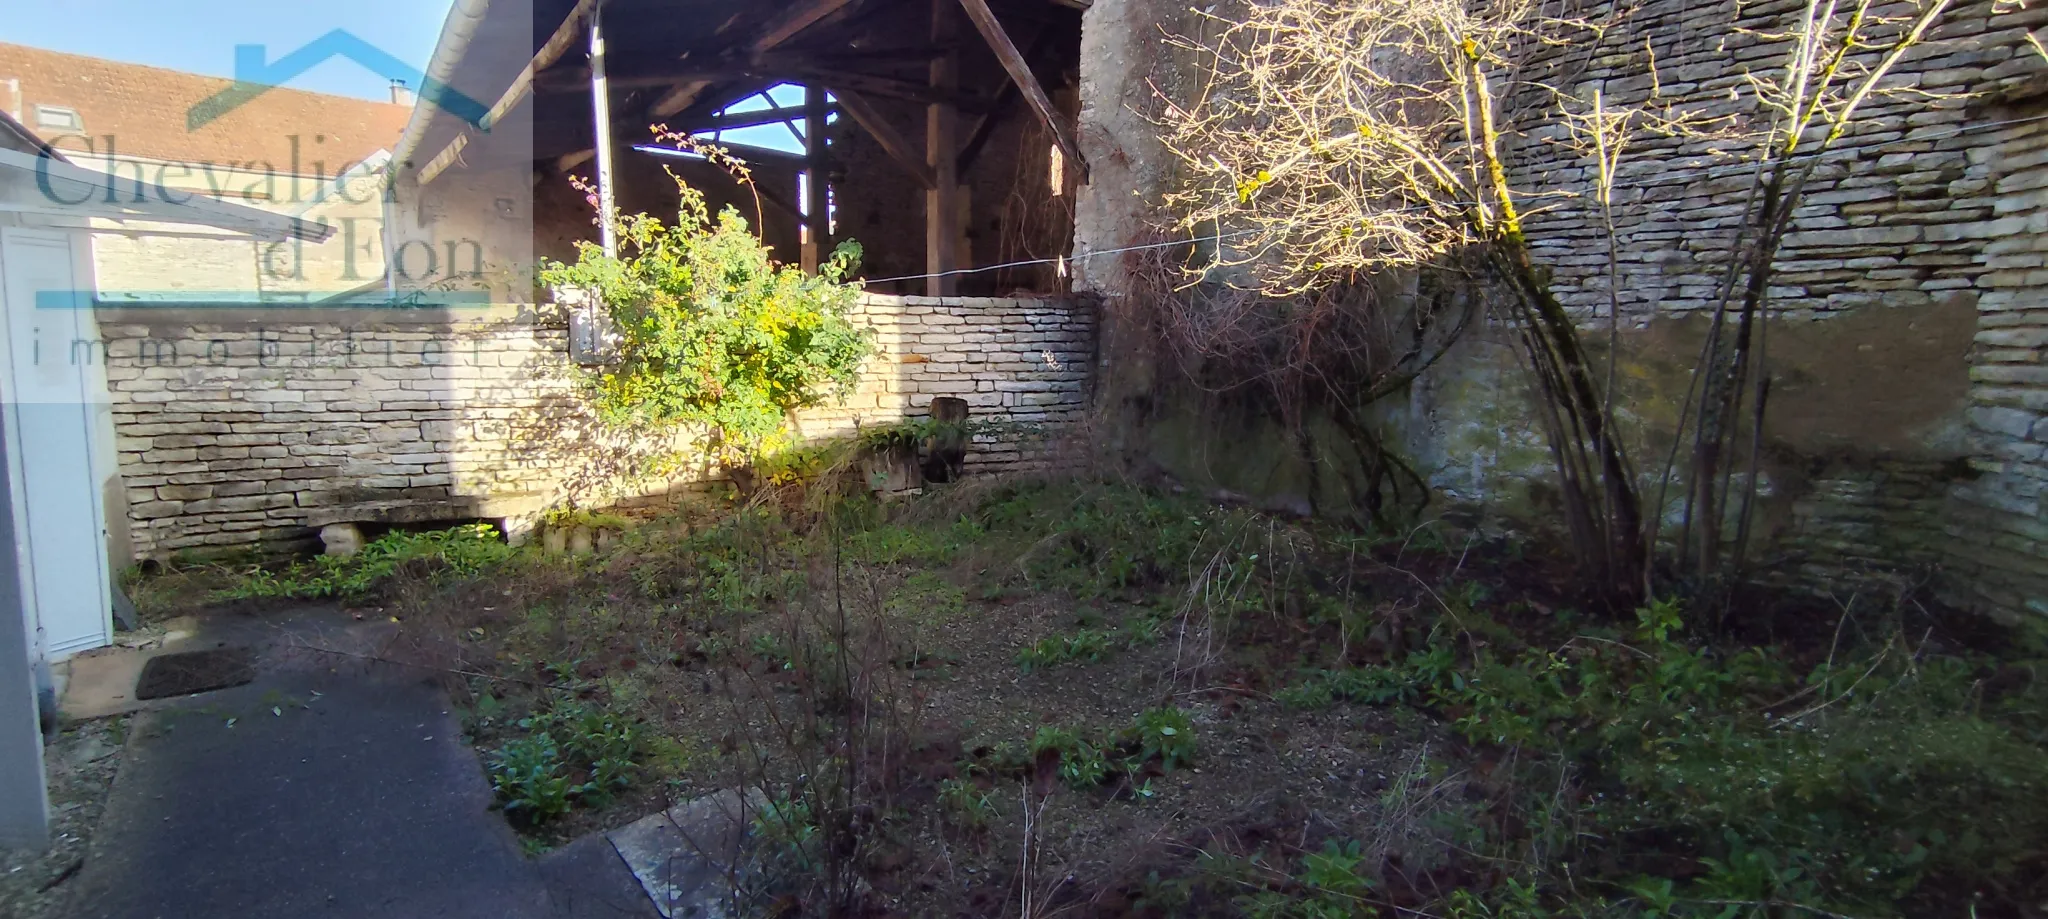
(593, 337)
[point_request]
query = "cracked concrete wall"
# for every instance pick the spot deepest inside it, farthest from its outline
(1907, 427)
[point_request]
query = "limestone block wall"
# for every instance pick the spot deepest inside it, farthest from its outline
(1997, 521)
(244, 429)
(1911, 298)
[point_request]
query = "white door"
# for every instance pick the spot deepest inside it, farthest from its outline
(49, 396)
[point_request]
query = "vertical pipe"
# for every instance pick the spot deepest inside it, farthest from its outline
(942, 152)
(601, 114)
(817, 208)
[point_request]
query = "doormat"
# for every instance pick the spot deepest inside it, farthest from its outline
(186, 672)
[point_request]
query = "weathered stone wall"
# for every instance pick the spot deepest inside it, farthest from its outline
(1997, 523)
(1912, 294)
(235, 430)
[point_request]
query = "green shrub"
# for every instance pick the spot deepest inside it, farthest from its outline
(570, 753)
(713, 332)
(528, 775)
(1082, 765)
(1168, 734)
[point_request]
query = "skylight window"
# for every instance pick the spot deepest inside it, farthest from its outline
(58, 118)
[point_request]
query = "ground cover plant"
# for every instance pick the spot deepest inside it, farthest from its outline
(1085, 698)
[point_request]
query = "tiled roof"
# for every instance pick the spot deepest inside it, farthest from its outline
(144, 108)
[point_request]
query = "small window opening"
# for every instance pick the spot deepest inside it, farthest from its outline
(58, 118)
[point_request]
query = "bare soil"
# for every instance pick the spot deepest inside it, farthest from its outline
(81, 763)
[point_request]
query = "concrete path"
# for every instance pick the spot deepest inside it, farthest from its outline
(327, 788)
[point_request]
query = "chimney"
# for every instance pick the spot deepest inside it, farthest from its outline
(400, 93)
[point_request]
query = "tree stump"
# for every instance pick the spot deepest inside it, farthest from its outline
(945, 452)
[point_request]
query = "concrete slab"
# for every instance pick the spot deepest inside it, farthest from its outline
(586, 879)
(330, 786)
(305, 795)
(683, 856)
(101, 682)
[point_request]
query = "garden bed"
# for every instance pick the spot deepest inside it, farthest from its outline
(1085, 699)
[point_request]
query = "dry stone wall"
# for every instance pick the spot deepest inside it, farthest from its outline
(1912, 291)
(235, 430)
(1931, 206)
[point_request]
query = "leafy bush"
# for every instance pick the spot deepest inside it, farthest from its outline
(464, 551)
(715, 333)
(571, 753)
(528, 775)
(1082, 764)
(1167, 734)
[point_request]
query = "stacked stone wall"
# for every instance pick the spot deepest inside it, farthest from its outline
(238, 429)
(1909, 338)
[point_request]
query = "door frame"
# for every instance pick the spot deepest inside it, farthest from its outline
(94, 421)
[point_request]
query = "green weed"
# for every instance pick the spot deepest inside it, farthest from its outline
(1089, 645)
(964, 804)
(570, 753)
(1168, 734)
(464, 551)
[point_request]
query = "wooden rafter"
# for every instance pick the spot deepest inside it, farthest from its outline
(806, 14)
(871, 120)
(1006, 96)
(558, 44)
(1020, 70)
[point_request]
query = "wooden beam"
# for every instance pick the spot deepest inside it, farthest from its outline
(681, 97)
(733, 121)
(817, 224)
(685, 92)
(1020, 70)
(601, 121)
(985, 126)
(799, 19)
(941, 154)
(878, 127)
(558, 44)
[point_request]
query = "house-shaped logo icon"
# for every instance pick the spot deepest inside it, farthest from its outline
(256, 74)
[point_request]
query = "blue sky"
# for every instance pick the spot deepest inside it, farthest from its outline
(200, 35)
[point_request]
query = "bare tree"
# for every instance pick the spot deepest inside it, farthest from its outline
(1332, 140)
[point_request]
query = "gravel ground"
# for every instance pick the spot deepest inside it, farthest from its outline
(81, 763)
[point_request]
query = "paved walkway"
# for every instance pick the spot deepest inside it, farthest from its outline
(327, 788)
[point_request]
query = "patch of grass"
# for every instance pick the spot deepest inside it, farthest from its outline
(1099, 541)
(925, 597)
(900, 543)
(464, 551)
(566, 517)
(1089, 645)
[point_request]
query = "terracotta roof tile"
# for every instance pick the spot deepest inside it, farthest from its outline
(144, 109)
